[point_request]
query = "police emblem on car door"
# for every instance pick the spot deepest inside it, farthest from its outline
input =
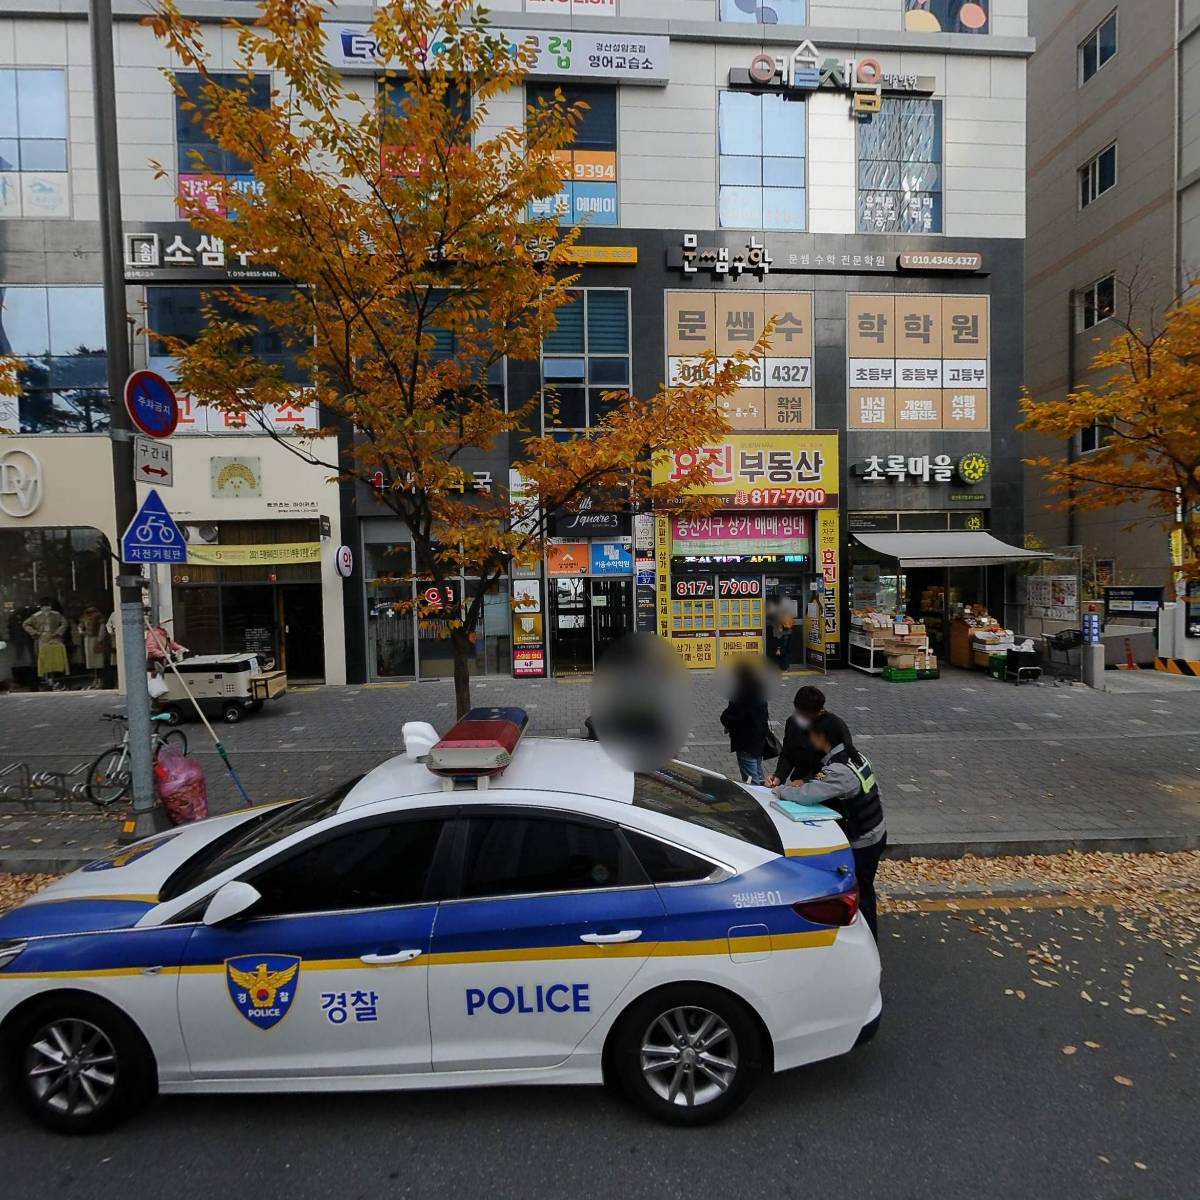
(263, 986)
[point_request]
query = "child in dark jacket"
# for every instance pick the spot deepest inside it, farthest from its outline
(746, 721)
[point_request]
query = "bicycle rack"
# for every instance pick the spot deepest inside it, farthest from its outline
(29, 783)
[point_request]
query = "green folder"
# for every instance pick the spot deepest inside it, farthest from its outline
(796, 811)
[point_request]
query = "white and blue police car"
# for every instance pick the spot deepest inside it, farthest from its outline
(479, 910)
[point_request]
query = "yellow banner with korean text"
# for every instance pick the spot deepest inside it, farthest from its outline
(278, 554)
(763, 470)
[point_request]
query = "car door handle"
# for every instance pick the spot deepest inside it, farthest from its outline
(395, 956)
(607, 939)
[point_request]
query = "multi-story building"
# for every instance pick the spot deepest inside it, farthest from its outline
(1114, 228)
(855, 171)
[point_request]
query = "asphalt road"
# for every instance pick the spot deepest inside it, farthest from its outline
(965, 1093)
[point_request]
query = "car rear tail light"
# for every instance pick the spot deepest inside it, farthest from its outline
(829, 910)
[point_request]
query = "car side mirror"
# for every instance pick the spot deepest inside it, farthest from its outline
(230, 900)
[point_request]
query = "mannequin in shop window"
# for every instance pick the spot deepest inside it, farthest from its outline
(93, 637)
(47, 627)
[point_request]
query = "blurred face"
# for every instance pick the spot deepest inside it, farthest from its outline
(821, 742)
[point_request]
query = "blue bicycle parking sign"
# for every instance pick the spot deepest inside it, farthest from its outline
(153, 536)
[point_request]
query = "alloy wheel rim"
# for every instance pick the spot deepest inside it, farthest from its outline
(689, 1056)
(71, 1067)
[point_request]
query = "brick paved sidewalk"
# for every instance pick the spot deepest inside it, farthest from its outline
(965, 762)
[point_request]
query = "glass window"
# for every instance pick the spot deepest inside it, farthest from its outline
(197, 153)
(711, 801)
(33, 142)
(1098, 47)
(589, 189)
(762, 150)
(771, 12)
(665, 863)
(946, 16)
(262, 830)
(511, 856)
(58, 333)
(590, 345)
(1097, 302)
(900, 168)
(1097, 176)
(376, 866)
(179, 312)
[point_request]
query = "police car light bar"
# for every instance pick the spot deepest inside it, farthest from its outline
(481, 744)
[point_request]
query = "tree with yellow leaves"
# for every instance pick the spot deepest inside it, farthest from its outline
(398, 219)
(10, 381)
(1147, 405)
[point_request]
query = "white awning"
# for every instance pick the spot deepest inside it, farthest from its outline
(947, 549)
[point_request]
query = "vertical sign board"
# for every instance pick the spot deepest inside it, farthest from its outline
(644, 561)
(828, 535)
(662, 572)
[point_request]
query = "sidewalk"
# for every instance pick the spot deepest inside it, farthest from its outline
(967, 764)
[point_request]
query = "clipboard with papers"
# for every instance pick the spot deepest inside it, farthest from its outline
(795, 811)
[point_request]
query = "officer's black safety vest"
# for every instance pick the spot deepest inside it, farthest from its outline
(864, 810)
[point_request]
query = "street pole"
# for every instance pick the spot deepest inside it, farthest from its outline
(133, 636)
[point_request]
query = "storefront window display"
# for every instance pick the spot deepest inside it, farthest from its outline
(71, 569)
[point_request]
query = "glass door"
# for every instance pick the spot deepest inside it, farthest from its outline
(612, 612)
(570, 626)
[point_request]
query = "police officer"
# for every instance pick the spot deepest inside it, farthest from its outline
(846, 783)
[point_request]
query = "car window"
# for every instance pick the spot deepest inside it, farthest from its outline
(711, 801)
(665, 863)
(261, 831)
(509, 856)
(373, 866)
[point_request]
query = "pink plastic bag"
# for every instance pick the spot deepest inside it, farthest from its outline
(179, 781)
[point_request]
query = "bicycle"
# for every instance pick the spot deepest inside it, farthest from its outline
(109, 778)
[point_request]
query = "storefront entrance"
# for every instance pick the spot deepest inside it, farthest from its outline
(586, 617)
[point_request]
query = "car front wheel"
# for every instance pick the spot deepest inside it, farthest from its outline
(688, 1054)
(76, 1065)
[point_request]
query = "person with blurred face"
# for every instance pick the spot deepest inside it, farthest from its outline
(846, 783)
(746, 721)
(800, 760)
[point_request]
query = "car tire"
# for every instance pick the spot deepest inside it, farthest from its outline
(231, 714)
(688, 1054)
(113, 1073)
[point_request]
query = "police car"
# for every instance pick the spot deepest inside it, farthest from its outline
(479, 910)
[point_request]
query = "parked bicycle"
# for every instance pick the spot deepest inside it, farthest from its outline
(109, 777)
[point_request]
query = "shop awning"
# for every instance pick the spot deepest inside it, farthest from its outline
(946, 549)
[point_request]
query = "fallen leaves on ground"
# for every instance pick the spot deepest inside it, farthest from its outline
(16, 888)
(1123, 1080)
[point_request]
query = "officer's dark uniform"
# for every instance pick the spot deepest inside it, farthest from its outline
(846, 783)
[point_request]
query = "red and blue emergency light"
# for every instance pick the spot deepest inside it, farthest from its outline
(481, 744)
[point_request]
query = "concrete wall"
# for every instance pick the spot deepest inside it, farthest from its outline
(1128, 231)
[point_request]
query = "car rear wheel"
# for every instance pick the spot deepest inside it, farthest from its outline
(688, 1054)
(76, 1065)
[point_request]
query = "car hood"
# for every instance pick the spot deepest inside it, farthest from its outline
(115, 891)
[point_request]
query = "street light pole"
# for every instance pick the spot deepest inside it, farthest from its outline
(133, 643)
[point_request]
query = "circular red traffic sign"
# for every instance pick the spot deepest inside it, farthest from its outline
(151, 404)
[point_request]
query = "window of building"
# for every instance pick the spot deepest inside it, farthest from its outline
(58, 333)
(771, 12)
(199, 159)
(179, 312)
(762, 147)
(1098, 175)
(946, 16)
(1098, 47)
(378, 866)
(394, 100)
(1093, 437)
(511, 856)
(589, 191)
(900, 168)
(33, 143)
(1096, 302)
(585, 357)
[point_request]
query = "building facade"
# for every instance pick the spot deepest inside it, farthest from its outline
(855, 172)
(1114, 227)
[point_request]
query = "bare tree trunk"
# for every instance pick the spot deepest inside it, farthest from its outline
(460, 639)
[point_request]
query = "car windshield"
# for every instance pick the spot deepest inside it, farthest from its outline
(257, 834)
(680, 790)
